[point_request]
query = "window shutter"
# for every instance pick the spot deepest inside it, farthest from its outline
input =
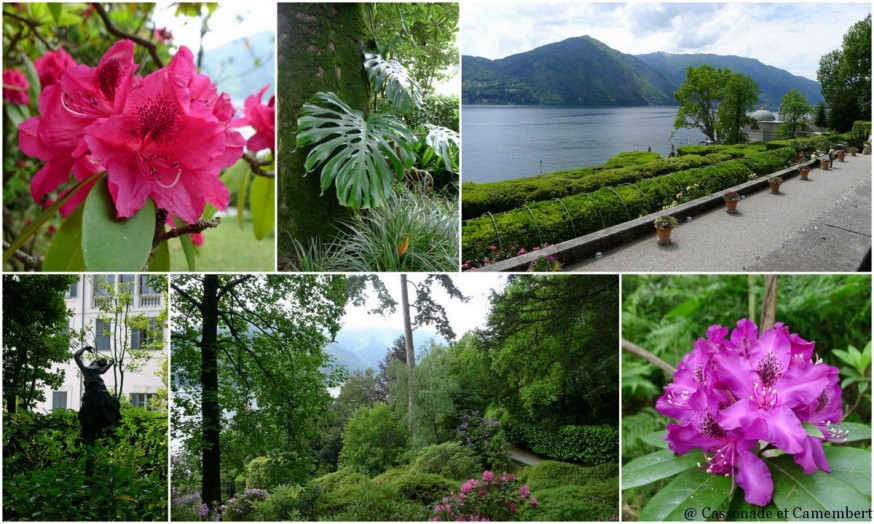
(59, 400)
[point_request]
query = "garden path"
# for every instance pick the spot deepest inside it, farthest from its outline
(524, 456)
(747, 240)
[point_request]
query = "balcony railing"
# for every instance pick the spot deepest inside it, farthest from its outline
(152, 300)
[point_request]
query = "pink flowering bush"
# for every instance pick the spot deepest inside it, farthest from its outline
(262, 117)
(734, 394)
(165, 136)
(15, 86)
(51, 66)
(492, 498)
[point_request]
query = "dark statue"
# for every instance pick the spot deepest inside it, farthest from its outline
(99, 408)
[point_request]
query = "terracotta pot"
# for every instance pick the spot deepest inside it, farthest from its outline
(823, 164)
(853, 151)
(664, 234)
(731, 206)
(775, 188)
(804, 171)
(840, 156)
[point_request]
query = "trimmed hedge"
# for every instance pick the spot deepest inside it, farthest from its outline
(595, 501)
(736, 151)
(556, 221)
(590, 445)
(552, 474)
(496, 197)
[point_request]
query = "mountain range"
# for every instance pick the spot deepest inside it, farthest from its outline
(582, 71)
(243, 66)
(362, 348)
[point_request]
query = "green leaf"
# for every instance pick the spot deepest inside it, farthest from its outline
(187, 245)
(813, 497)
(17, 113)
(65, 251)
(852, 465)
(857, 432)
(656, 439)
(445, 143)
(160, 261)
(353, 150)
(812, 430)
(262, 202)
(32, 79)
(401, 88)
(112, 244)
(241, 197)
(55, 8)
(656, 466)
(692, 490)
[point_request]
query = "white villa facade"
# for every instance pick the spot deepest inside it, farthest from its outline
(83, 299)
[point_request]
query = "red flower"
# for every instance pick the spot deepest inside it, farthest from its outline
(163, 35)
(15, 86)
(263, 118)
(51, 66)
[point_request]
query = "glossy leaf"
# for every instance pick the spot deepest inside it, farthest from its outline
(401, 88)
(656, 466)
(241, 197)
(692, 490)
(852, 465)
(656, 439)
(360, 156)
(262, 202)
(445, 144)
(112, 244)
(742, 511)
(160, 261)
(32, 79)
(810, 496)
(55, 9)
(17, 113)
(187, 245)
(857, 432)
(65, 251)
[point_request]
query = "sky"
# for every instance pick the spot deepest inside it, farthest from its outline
(463, 317)
(790, 36)
(230, 21)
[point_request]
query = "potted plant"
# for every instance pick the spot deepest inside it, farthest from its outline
(853, 151)
(731, 198)
(824, 162)
(804, 171)
(841, 155)
(775, 182)
(664, 224)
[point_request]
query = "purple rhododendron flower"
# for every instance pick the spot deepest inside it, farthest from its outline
(728, 394)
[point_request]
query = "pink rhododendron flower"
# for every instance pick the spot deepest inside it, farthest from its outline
(469, 485)
(488, 476)
(730, 394)
(15, 86)
(51, 66)
(263, 118)
(197, 239)
(163, 35)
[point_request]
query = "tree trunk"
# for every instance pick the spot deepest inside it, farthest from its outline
(319, 48)
(211, 475)
(769, 308)
(411, 355)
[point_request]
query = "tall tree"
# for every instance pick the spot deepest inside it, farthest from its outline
(248, 357)
(845, 75)
(796, 112)
(397, 352)
(319, 49)
(715, 101)
(739, 95)
(35, 336)
(553, 340)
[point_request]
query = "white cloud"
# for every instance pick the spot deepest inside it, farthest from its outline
(789, 36)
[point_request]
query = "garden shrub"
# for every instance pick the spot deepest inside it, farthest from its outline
(267, 472)
(591, 445)
(373, 440)
(241, 507)
(339, 479)
(552, 474)
(485, 438)
(553, 221)
(450, 460)
(424, 488)
(281, 505)
(495, 497)
(364, 500)
(596, 500)
(44, 462)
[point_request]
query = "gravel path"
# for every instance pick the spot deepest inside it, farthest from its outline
(717, 241)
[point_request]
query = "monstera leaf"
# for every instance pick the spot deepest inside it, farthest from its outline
(442, 142)
(401, 88)
(360, 156)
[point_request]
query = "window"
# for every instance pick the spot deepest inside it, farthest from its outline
(141, 338)
(71, 292)
(145, 287)
(141, 400)
(149, 296)
(100, 292)
(102, 335)
(59, 400)
(126, 283)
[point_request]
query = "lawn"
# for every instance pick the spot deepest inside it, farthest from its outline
(228, 248)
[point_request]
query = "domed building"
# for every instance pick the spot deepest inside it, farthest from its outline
(765, 128)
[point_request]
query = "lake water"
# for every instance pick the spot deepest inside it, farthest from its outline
(504, 142)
